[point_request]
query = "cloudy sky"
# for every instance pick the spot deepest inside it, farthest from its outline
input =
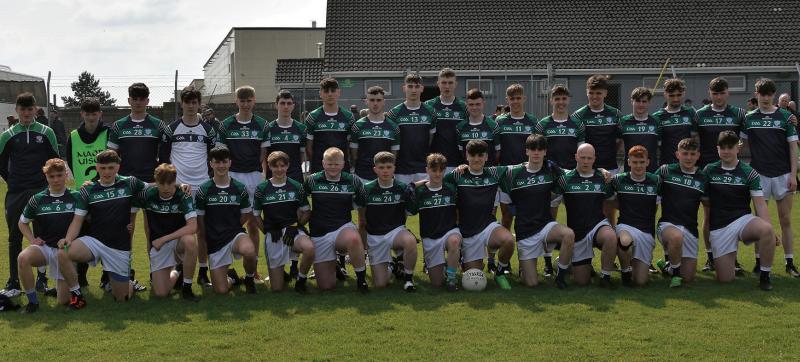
(126, 41)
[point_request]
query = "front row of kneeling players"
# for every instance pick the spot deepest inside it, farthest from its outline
(456, 219)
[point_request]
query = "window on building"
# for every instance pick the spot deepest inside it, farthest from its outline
(383, 83)
(485, 85)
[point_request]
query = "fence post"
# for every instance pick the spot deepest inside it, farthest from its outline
(175, 95)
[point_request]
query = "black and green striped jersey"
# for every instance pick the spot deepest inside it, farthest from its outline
(681, 193)
(23, 152)
(530, 192)
(512, 133)
(436, 208)
(138, 144)
(245, 141)
(563, 138)
(644, 132)
(416, 127)
(729, 192)
(637, 200)
(485, 131)
(477, 196)
(52, 214)
(445, 140)
(386, 207)
(326, 131)
(109, 210)
(164, 217)
(370, 138)
(602, 132)
(222, 207)
(675, 126)
(710, 123)
(331, 201)
(768, 135)
(292, 141)
(278, 204)
(583, 198)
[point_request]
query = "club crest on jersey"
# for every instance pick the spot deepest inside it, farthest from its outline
(777, 124)
(385, 133)
(174, 208)
(729, 120)
(541, 178)
(344, 188)
(396, 197)
(697, 184)
(486, 181)
(447, 199)
(738, 180)
(456, 114)
(571, 131)
(291, 194)
(121, 192)
(610, 119)
(70, 206)
(341, 125)
(424, 118)
(39, 139)
(148, 131)
(597, 187)
(527, 128)
(650, 189)
(685, 119)
(484, 134)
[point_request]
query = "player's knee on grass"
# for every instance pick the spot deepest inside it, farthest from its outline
(530, 277)
(581, 274)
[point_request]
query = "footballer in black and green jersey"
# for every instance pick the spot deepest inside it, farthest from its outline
(247, 140)
(107, 204)
(711, 120)
(485, 130)
(223, 206)
(172, 223)
(675, 125)
(642, 131)
(281, 209)
(511, 133)
(602, 131)
(435, 202)
(563, 138)
(384, 202)
(332, 194)
(450, 111)
(683, 185)
(477, 190)
(367, 138)
(772, 136)
(289, 137)
(137, 140)
(52, 212)
(585, 190)
(677, 121)
(327, 129)
(530, 187)
(732, 186)
(417, 127)
(637, 194)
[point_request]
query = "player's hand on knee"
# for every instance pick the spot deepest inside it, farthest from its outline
(37, 241)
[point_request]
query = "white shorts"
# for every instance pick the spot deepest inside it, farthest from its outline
(726, 240)
(51, 259)
(411, 178)
(474, 247)
(433, 249)
(503, 197)
(689, 247)
(774, 187)
(532, 247)
(250, 181)
(113, 260)
(164, 258)
(584, 247)
(224, 257)
(380, 246)
(278, 254)
(325, 245)
(643, 243)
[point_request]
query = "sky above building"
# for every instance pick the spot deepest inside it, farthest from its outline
(122, 42)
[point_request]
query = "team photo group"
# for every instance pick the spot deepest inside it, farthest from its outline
(212, 192)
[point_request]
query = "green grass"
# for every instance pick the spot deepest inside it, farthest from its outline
(704, 320)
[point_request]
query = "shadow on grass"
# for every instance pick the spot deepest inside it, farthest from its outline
(238, 306)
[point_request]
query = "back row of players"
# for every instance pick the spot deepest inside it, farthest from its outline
(409, 133)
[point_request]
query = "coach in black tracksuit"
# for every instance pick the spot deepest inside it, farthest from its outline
(24, 149)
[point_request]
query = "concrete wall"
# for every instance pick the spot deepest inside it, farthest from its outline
(255, 54)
